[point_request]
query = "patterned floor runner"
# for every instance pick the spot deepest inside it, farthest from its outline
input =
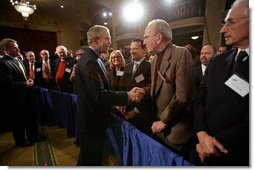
(43, 152)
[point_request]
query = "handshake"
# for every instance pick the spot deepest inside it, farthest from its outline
(136, 94)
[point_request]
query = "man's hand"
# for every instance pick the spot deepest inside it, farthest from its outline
(209, 146)
(201, 152)
(130, 115)
(29, 82)
(158, 126)
(136, 94)
(121, 109)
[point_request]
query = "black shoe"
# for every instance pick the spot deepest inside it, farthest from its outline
(25, 144)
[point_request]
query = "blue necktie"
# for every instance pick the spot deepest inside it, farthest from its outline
(102, 67)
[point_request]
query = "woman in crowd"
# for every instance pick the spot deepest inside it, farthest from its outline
(116, 66)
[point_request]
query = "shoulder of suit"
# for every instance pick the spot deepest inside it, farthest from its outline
(179, 51)
(146, 61)
(7, 59)
(225, 55)
(179, 48)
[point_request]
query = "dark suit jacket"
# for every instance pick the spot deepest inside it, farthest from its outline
(197, 72)
(128, 81)
(26, 64)
(223, 113)
(142, 120)
(67, 85)
(94, 96)
(13, 88)
(114, 79)
(39, 80)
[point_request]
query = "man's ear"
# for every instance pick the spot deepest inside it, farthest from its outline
(159, 38)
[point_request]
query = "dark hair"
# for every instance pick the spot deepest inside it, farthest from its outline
(138, 39)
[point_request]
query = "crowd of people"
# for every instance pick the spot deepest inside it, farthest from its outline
(196, 105)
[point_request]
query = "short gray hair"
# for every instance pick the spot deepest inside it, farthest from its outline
(163, 27)
(242, 2)
(30, 52)
(5, 43)
(94, 32)
(61, 47)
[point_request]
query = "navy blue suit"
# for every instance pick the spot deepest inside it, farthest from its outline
(222, 112)
(94, 100)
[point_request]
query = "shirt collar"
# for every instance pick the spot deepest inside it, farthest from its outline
(247, 50)
(139, 61)
(95, 51)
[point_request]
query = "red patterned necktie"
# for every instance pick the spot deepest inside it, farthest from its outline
(31, 70)
(46, 70)
(60, 73)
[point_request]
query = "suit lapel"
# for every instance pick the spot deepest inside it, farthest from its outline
(224, 91)
(14, 63)
(165, 64)
(103, 75)
(230, 62)
(139, 69)
(153, 74)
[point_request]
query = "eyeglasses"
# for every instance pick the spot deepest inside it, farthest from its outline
(231, 22)
(114, 57)
(146, 37)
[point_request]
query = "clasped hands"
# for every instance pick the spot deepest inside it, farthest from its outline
(136, 94)
(29, 82)
(208, 146)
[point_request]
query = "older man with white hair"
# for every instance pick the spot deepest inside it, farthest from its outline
(171, 87)
(64, 66)
(221, 108)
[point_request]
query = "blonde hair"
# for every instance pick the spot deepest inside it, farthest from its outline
(111, 66)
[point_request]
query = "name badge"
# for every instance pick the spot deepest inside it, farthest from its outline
(139, 78)
(38, 69)
(119, 73)
(68, 70)
(239, 85)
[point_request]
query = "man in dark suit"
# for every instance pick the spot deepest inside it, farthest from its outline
(138, 74)
(14, 94)
(94, 97)
(29, 64)
(221, 108)
(206, 54)
(45, 71)
(64, 66)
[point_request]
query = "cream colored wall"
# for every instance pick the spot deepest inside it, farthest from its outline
(68, 34)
